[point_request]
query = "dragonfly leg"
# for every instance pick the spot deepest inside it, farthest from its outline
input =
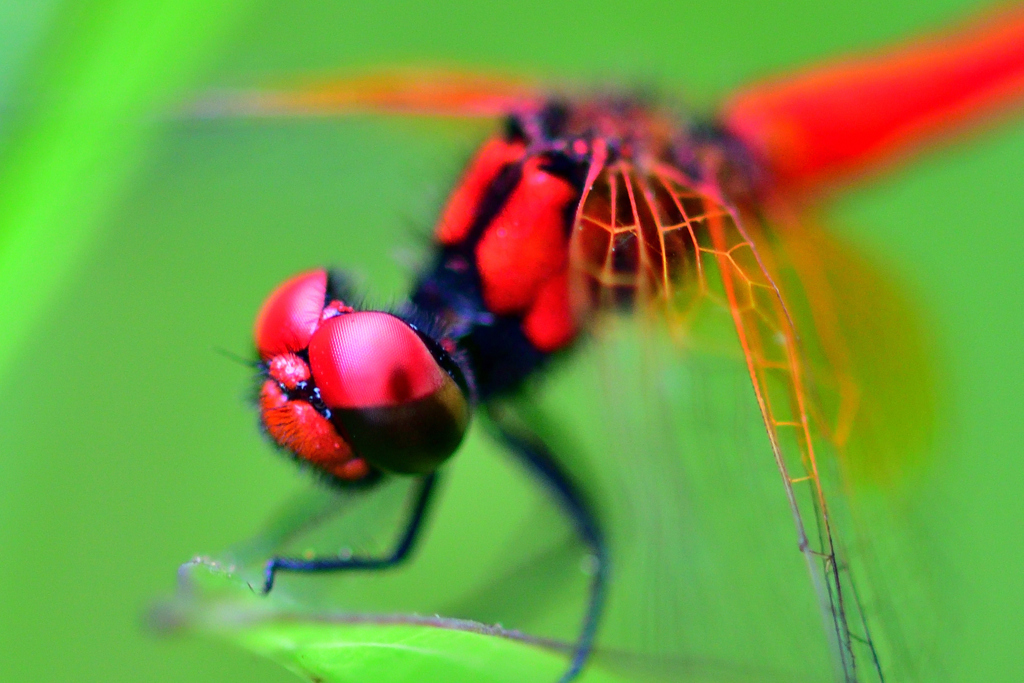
(417, 513)
(541, 462)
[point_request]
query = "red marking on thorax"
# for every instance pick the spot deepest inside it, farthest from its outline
(550, 323)
(526, 245)
(458, 215)
(522, 255)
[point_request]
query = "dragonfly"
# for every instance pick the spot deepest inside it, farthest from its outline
(586, 206)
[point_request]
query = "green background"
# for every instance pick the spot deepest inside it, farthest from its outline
(133, 244)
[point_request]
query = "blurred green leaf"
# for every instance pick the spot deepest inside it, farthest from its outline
(77, 125)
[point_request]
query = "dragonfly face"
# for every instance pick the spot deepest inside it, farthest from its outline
(355, 393)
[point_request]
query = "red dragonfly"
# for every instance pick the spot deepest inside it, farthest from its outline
(582, 207)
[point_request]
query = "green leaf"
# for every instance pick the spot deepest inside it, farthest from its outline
(403, 652)
(341, 647)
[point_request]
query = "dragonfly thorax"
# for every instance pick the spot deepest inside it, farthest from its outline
(571, 210)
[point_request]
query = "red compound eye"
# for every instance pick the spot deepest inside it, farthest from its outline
(387, 391)
(371, 359)
(291, 314)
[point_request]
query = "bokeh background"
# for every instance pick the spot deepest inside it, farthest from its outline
(134, 243)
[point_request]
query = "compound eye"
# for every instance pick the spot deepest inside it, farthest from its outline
(291, 314)
(385, 389)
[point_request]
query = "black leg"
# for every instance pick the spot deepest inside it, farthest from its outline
(532, 451)
(401, 551)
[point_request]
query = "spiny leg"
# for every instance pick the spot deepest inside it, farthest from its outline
(417, 513)
(538, 458)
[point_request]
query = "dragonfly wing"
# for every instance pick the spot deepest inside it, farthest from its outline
(648, 241)
(323, 520)
(875, 395)
(405, 92)
(770, 347)
(869, 362)
(665, 444)
(861, 112)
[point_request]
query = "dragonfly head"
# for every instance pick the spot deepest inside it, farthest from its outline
(355, 392)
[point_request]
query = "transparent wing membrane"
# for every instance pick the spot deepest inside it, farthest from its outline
(701, 537)
(646, 239)
(870, 366)
(323, 520)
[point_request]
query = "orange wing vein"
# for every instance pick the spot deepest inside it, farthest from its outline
(645, 237)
